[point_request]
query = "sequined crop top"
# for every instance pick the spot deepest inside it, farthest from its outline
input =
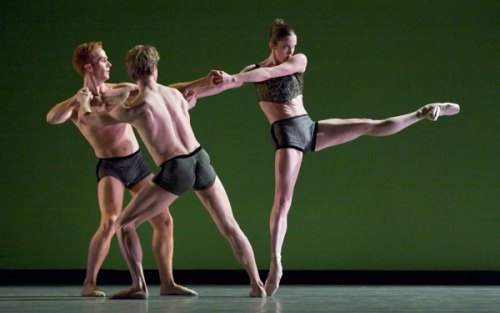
(280, 89)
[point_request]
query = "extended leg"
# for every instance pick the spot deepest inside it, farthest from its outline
(217, 203)
(334, 132)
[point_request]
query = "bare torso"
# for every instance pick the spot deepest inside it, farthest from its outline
(109, 141)
(163, 122)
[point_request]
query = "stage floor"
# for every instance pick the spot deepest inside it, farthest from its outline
(234, 298)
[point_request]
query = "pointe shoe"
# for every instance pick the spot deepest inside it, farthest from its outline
(271, 288)
(434, 110)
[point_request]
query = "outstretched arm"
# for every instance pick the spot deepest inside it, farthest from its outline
(193, 86)
(224, 81)
(62, 111)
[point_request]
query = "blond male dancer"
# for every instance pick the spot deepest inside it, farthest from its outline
(120, 166)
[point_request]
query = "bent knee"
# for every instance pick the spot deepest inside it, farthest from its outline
(162, 222)
(108, 224)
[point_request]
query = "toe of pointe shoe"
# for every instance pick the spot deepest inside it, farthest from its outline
(449, 108)
(271, 288)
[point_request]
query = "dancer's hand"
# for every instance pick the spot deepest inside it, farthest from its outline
(218, 78)
(84, 95)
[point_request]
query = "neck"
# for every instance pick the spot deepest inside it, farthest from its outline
(96, 87)
(147, 81)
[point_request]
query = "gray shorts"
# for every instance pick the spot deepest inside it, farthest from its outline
(181, 173)
(129, 169)
(298, 132)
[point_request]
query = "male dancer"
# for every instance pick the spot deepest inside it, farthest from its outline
(120, 166)
(160, 115)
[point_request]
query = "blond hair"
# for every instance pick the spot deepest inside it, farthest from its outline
(140, 61)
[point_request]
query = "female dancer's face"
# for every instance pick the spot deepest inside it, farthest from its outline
(283, 49)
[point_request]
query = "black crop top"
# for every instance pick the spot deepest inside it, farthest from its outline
(280, 89)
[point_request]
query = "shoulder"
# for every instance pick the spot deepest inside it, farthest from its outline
(124, 86)
(170, 93)
(299, 58)
(297, 63)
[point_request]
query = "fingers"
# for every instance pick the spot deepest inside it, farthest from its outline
(216, 77)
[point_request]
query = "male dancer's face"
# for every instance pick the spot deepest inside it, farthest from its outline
(100, 65)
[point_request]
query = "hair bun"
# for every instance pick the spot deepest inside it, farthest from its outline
(279, 22)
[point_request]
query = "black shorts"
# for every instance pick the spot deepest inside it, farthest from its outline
(129, 169)
(298, 132)
(181, 173)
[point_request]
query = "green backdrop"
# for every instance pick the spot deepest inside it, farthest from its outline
(424, 199)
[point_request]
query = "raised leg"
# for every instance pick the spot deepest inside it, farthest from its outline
(334, 132)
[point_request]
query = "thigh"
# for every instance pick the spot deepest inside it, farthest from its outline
(146, 204)
(141, 184)
(110, 192)
(287, 168)
(217, 203)
(334, 132)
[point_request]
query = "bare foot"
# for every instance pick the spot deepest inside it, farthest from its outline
(130, 293)
(258, 292)
(177, 290)
(91, 290)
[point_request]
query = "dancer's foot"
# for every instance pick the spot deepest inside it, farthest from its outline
(177, 290)
(258, 292)
(434, 110)
(91, 290)
(274, 276)
(130, 294)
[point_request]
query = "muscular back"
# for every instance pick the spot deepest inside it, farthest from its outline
(160, 115)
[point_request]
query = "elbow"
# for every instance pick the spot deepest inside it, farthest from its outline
(51, 119)
(267, 75)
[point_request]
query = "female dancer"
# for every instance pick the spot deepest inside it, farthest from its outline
(279, 83)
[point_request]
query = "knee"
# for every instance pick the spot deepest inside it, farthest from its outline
(122, 228)
(163, 223)
(108, 225)
(282, 204)
(231, 230)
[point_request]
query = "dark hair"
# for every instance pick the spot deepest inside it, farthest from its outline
(280, 30)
